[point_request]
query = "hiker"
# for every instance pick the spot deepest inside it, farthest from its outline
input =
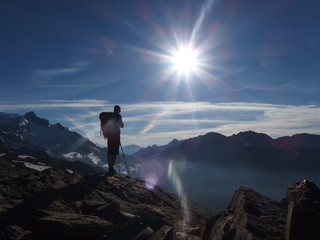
(114, 138)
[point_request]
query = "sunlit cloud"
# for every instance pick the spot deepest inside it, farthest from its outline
(51, 104)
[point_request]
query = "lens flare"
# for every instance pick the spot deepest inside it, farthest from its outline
(153, 173)
(151, 180)
(175, 179)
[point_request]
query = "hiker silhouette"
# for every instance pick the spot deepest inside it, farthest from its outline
(110, 126)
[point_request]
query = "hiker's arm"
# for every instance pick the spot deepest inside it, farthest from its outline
(121, 123)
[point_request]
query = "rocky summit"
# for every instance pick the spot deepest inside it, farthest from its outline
(303, 220)
(252, 216)
(43, 200)
(56, 203)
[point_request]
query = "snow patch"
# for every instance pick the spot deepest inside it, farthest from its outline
(34, 166)
(2, 154)
(72, 155)
(94, 159)
(26, 156)
(23, 123)
(69, 171)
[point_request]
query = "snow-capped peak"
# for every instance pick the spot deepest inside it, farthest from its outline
(31, 132)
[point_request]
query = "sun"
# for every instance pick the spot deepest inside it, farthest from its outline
(185, 60)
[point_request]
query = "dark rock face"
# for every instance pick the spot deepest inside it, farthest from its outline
(57, 204)
(303, 211)
(249, 216)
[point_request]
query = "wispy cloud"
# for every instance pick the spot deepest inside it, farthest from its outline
(149, 123)
(57, 72)
(51, 104)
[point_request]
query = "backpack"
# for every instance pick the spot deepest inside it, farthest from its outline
(107, 126)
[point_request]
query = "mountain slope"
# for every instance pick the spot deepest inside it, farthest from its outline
(18, 133)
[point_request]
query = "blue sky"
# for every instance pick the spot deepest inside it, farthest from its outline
(257, 65)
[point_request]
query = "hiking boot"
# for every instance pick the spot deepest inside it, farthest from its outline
(112, 171)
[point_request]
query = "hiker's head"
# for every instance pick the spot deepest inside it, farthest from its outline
(117, 109)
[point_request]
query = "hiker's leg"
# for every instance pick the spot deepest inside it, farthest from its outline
(113, 150)
(111, 153)
(111, 161)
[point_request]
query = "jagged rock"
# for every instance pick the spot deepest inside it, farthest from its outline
(72, 226)
(161, 234)
(54, 203)
(251, 216)
(144, 234)
(303, 211)
(16, 232)
(99, 206)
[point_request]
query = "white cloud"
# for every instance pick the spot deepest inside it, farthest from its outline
(184, 120)
(56, 72)
(50, 104)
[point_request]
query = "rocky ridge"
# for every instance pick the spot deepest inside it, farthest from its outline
(303, 220)
(55, 203)
(253, 216)
(40, 200)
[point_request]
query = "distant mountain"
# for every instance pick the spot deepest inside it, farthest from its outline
(131, 149)
(298, 140)
(154, 150)
(30, 133)
(245, 149)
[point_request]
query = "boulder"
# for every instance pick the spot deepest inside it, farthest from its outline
(303, 222)
(251, 216)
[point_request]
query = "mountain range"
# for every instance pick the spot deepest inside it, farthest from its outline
(28, 133)
(245, 149)
(199, 163)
